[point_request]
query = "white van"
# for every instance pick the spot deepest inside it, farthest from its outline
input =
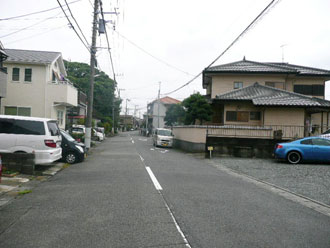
(41, 136)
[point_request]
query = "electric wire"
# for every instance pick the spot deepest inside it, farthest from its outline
(262, 13)
(34, 13)
(153, 56)
(35, 35)
(73, 26)
(106, 35)
(27, 27)
(82, 33)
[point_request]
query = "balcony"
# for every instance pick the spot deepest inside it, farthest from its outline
(62, 93)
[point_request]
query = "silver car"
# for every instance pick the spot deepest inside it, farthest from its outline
(163, 137)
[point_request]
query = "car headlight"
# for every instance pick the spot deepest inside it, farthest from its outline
(80, 149)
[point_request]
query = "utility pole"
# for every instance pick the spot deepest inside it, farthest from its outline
(158, 102)
(147, 129)
(88, 135)
(125, 119)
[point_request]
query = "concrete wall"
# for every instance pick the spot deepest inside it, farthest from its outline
(242, 147)
(190, 138)
(23, 163)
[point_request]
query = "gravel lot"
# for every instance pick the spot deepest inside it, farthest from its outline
(310, 180)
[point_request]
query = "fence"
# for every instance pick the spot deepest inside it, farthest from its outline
(265, 132)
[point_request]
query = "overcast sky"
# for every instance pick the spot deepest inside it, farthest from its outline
(170, 41)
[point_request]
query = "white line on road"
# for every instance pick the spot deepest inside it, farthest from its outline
(133, 141)
(159, 189)
(154, 179)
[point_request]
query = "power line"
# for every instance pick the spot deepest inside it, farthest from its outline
(32, 36)
(106, 35)
(34, 13)
(76, 22)
(22, 29)
(153, 56)
(73, 26)
(262, 13)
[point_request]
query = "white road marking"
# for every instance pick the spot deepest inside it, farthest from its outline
(152, 149)
(133, 141)
(164, 151)
(177, 225)
(159, 189)
(305, 201)
(143, 139)
(154, 179)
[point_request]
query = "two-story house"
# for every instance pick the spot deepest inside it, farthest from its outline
(258, 94)
(156, 111)
(37, 85)
(3, 74)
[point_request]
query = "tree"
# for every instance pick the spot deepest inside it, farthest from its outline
(197, 108)
(104, 87)
(174, 114)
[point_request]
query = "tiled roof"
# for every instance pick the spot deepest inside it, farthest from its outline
(246, 66)
(169, 100)
(28, 56)
(166, 100)
(268, 96)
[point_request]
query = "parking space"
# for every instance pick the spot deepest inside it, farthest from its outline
(310, 180)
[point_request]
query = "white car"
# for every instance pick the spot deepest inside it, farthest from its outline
(163, 137)
(98, 135)
(41, 136)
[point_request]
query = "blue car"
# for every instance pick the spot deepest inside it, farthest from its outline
(306, 149)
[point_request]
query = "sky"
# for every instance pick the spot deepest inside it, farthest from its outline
(171, 41)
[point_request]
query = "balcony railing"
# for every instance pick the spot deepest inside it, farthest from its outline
(265, 132)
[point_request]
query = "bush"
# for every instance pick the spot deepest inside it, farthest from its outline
(79, 137)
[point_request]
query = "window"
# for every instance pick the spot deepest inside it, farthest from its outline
(238, 85)
(255, 116)
(231, 116)
(28, 75)
(22, 111)
(4, 69)
(270, 84)
(15, 76)
(60, 117)
(53, 77)
(307, 142)
(53, 128)
(240, 116)
(321, 142)
(312, 90)
(22, 127)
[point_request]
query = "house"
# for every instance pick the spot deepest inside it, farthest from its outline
(234, 101)
(37, 85)
(156, 111)
(3, 74)
(126, 122)
(256, 105)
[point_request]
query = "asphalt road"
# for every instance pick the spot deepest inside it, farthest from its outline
(129, 194)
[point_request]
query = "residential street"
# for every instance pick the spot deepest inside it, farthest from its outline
(128, 193)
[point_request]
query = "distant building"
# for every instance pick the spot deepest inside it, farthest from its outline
(37, 85)
(157, 111)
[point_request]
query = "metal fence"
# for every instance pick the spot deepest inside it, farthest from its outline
(265, 132)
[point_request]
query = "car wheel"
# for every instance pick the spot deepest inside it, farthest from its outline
(294, 157)
(71, 158)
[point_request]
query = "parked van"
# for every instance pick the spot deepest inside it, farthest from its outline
(41, 136)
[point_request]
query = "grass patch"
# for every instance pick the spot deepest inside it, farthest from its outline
(23, 192)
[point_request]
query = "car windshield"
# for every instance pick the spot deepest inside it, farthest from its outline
(67, 136)
(165, 132)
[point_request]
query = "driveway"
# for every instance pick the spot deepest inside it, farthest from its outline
(310, 180)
